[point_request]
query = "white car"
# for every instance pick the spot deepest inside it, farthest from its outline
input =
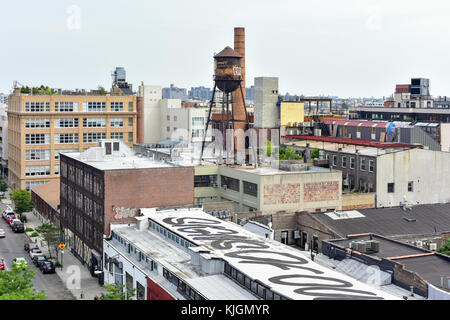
(35, 252)
(2, 233)
(6, 211)
(12, 222)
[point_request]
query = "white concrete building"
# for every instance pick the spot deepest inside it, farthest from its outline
(152, 96)
(267, 114)
(4, 138)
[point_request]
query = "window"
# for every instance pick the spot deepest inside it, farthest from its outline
(116, 106)
(66, 106)
(371, 166)
(230, 183)
(117, 135)
(205, 181)
(66, 138)
(130, 106)
(174, 118)
(56, 169)
(168, 118)
(352, 163)
(410, 186)
(31, 184)
(344, 162)
(37, 123)
(130, 136)
(130, 122)
(37, 138)
(197, 133)
(390, 187)
(37, 106)
(250, 188)
(94, 123)
(33, 155)
(362, 164)
(198, 121)
(94, 106)
(168, 129)
(31, 171)
(334, 161)
(58, 151)
(116, 122)
(66, 123)
(92, 137)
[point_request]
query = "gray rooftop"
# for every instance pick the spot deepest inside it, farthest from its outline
(429, 219)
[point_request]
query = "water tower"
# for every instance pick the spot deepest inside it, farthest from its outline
(227, 79)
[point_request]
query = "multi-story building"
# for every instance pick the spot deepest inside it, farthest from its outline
(106, 184)
(43, 126)
(4, 139)
(187, 254)
(200, 93)
(151, 125)
(3, 98)
(174, 93)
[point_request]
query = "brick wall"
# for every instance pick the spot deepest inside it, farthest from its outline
(307, 223)
(405, 278)
(321, 191)
(155, 292)
(356, 201)
(147, 188)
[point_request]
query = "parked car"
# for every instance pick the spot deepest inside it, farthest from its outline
(34, 252)
(31, 245)
(11, 223)
(38, 259)
(20, 262)
(2, 264)
(18, 226)
(47, 267)
(10, 218)
(9, 214)
(6, 211)
(2, 233)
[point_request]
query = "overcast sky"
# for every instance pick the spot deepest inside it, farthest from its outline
(343, 48)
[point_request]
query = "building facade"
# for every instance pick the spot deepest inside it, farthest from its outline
(4, 139)
(43, 126)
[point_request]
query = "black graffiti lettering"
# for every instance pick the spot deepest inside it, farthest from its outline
(339, 289)
(189, 220)
(228, 242)
(282, 264)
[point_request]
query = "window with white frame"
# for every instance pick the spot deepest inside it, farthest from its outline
(371, 166)
(66, 138)
(197, 133)
(37, 138)
(66, 123)
(37, 106)
(34, 171)
(116, 122)
(116, 106)
(344, 162)
(94, 122)
(117, 135)
(198, 121)
(56, 169)
(37, 123)
(91, 137)
(37, 155)
(362, 164)
(94, 106)
(31, 184)
(58, 151)
(334, 160)
(66, 106)
(352, 163)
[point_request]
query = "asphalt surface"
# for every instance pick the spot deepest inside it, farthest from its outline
(12, 247)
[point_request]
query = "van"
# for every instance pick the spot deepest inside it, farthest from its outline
(18, 226)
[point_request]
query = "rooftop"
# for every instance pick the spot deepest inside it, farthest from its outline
(424, 219)
(49, 192)
(268, 262)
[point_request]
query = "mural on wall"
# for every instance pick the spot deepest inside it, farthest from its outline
(281, 193)
(124, 212)
(321, 191)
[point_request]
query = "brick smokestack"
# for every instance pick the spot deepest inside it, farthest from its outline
(238, 104)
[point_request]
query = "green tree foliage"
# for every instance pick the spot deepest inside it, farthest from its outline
(445, 248)
(3, 185)
(288, 153)
(269, 148)
(117, 293)
(315, 153)
(22, 200)
(101, 90)
(52, 235)
(16, 284)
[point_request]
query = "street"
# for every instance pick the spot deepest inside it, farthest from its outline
(12, 247)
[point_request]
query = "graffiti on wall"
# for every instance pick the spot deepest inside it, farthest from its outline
(124, 212)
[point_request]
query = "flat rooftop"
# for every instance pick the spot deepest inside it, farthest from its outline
(279, 267)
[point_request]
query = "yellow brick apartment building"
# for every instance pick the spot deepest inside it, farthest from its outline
(42, 126)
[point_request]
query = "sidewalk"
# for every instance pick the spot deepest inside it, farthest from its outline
(75, 276)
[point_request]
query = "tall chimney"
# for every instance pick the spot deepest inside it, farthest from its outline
(238, 104)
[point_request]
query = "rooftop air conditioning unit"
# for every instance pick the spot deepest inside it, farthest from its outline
(419, 243)
(432, 246)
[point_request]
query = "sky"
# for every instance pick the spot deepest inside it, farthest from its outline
(346, 48)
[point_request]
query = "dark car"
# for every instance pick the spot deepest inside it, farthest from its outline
(47, 267)
(38, 259)
(29, 246)
(18, 226)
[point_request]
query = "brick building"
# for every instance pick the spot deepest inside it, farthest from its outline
(106, 185)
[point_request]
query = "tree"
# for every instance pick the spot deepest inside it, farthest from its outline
(22, 200)
(51, 235)
(101, 90)
(315, 153)
(445, 248)
(269, 148)
(117, 293)
(16, 284)
(3, 185)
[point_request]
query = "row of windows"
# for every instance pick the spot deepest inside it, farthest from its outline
(258, 289)
(182, 286)
(31, 184)
(37, 106)
(205, 181)
(391, 189)
(179, 241)
(37, 123)
(31, 155)
(70, 106)
(362, 163)
(66, 138)
(94, 122)
(91, 137)
(37, 138)
(34, 171)
(66, 106)
(66, 123)
(230, 183)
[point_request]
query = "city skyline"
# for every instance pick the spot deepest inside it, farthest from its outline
(314, 49)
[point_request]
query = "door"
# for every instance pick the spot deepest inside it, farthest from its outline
(284, 237)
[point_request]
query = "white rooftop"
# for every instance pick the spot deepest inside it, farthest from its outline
(281, 268)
